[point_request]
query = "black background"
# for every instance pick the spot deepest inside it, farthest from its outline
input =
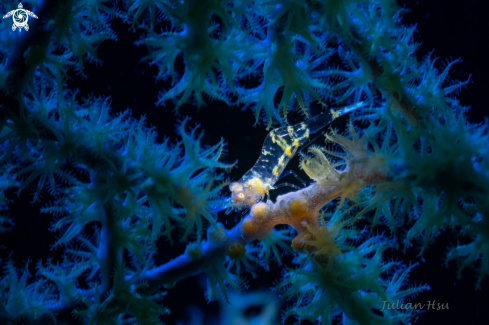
(453, 29)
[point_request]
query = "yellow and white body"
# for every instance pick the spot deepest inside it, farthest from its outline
(279, 147)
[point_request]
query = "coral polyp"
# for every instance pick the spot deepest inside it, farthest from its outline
(144, 146)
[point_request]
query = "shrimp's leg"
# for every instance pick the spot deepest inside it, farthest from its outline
(286, 184)
(288, 172)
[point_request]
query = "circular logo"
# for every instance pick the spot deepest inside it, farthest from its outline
(20, 18)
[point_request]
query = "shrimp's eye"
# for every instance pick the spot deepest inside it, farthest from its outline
(240, 196)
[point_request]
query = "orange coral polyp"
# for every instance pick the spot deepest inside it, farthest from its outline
(259, 210)
(248, 228)
(297, 209)
(236, 251)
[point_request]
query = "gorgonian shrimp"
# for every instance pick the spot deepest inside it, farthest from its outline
(279, 147)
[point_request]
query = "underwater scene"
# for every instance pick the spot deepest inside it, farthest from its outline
(218, 162)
